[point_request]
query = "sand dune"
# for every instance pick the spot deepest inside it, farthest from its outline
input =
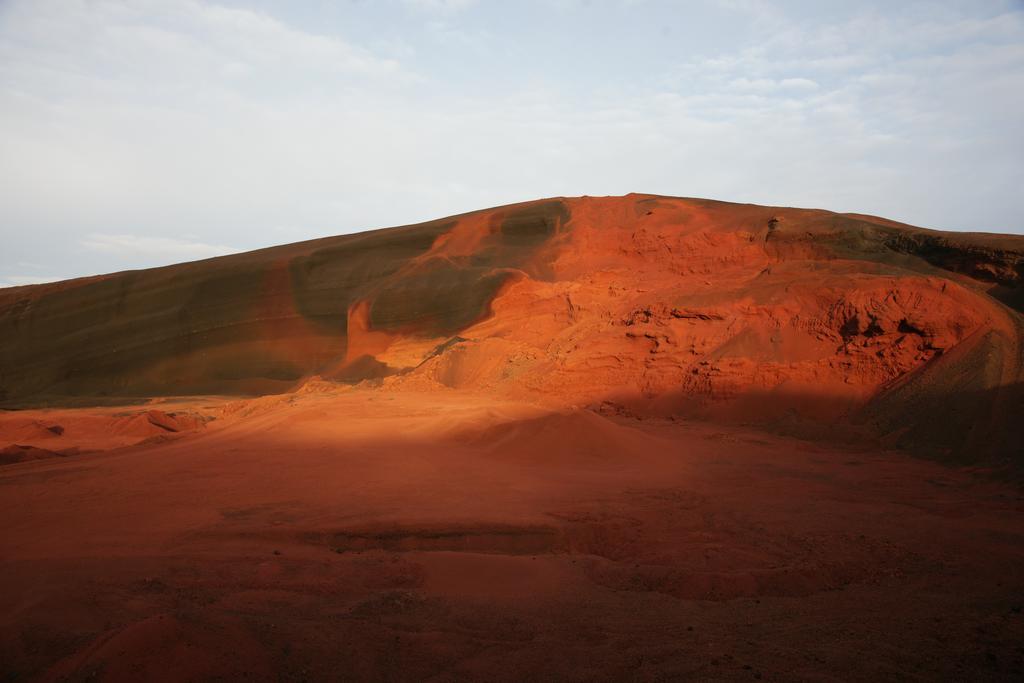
(784, 317)
(623, 438)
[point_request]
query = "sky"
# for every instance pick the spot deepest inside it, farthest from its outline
(136, 133)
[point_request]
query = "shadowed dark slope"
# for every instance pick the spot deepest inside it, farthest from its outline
(254, 322)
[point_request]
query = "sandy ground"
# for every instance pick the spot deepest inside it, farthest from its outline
(384, 535)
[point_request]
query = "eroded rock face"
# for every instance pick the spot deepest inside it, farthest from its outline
(665, 305)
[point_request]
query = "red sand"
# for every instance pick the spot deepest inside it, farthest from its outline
(371, 534)
(556, 441)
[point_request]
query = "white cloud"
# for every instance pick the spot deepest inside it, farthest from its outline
(798, 83)
(20, 280)
(148, 248)
(440, 5)
(770, 85)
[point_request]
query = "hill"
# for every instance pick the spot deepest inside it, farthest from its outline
(801, 320)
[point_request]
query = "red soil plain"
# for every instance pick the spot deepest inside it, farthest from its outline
(624, 438)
